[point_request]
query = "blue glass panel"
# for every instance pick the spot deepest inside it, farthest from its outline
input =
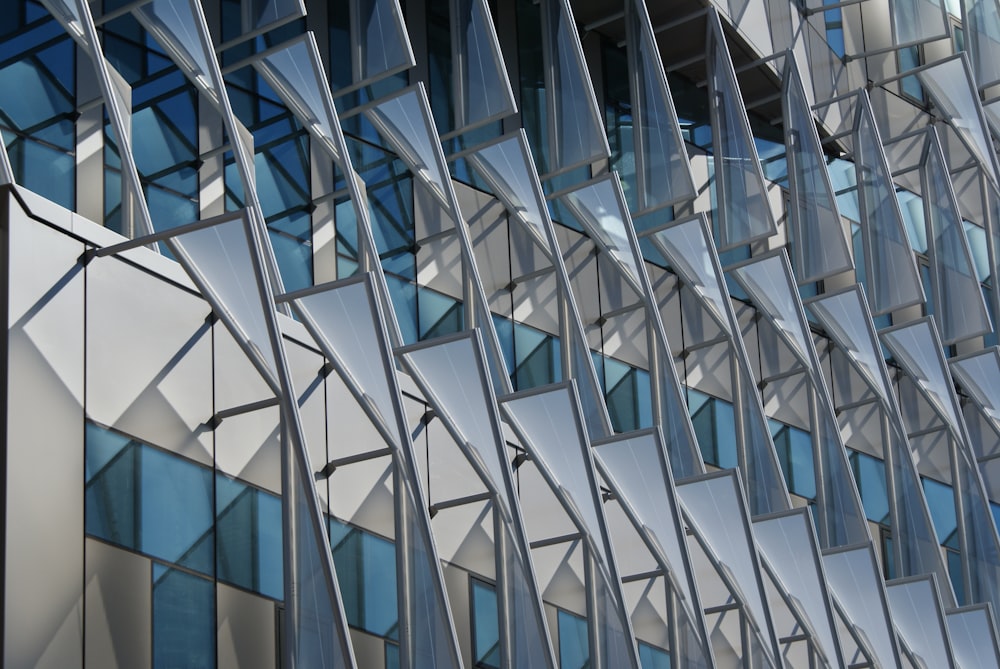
(183, 620)
(869, 474)
(486, 632)
(291, 239)
(391, 656)
(574, 646)
(941, 503)
(651, 657)
(438, 314)
(110, 497)
(176, 510)
(795, 454)
(248, 536)
(366, 570)
(536, 357)
(404, 303)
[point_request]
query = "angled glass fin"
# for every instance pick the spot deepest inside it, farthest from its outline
(818, 242)
(783, 539)
(974, 637)
(853, 578)
(714, 507)
(482, 91)
(295, 72)
(663, 170)
(380, 44)
(981, 20)
(314, 604)
(919, 618)
(840, 518)
(575, 131)
(742, 213)
(891, 279)
(549, 422)
(267, 14)
(847, 321)
(918, 21)
(950, 85)
(221, 261)
(451, 374)
(979, 375)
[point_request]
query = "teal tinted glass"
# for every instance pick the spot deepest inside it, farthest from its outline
(486, 630)
(869, 473)
(574, 646)
(651, 657)
(366, 569)
(183, 620)
(248, 536)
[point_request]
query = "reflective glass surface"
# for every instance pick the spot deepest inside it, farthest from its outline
(781, 540)
(551, 425)
(958, 300)
(574, 644)
(576, 135)
(716, 510)
(743, 211)
(529, 636)
(483, 91)
(379, 39)
(366, 567)
(183, 620)
(486, 631)
(955, 93)
(918, 20)
(854, 582)
(663, 169)
(820, 248)
(979, 375)
(248, 536)
(917, 616)
(973, 638)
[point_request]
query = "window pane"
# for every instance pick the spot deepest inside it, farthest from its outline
(651, 657)
(366, 570)
(486, 633)
(111, 487)
(574, 647)
(183, 620)
(248, 530)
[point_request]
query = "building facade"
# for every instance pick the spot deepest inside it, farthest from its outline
(461, 333)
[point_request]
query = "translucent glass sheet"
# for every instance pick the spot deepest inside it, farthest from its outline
(550, 423)
(599, 209)
(221, 255)
(765, 488)
(575, 131)
(529, 641)
(891, 279)
(179, 27)
(318, 623)
(917, 349)
(405, 122)
(953, 91)
(687, 248)
(595, 412)
(714, 506)
(981, 19)
(296, 74)
(638, 471)
(782, 540)
(973, 638)
(917, 615)
(663, 168)
(346, 329)
(743, 211)
(615, 640)
(840, 517)
(265, 13)
(819, 244)
(432, 641)
(452, 372)
(979, 375)
(854, 581)
(505, 165)
(846, 319)
(379, 39)
(482, 91)
(918, 20)
(768, 282)
(981, 545)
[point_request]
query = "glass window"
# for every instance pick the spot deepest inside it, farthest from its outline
(869, 474)
(366, 571)
(183, 620)
(391, 656)
(574, 644)
(248, 531)
(536, 357)
(795, 455)
(714, 424)
(148, 500)
(651, 657)
(485, 625)
(941, 503)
